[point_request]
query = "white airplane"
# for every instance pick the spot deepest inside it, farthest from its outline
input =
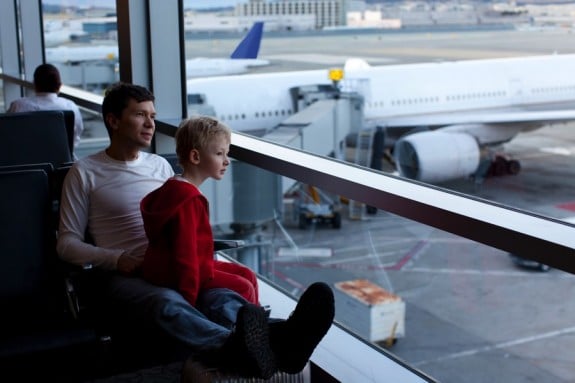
(77, 54)
(58, 32)
(243, 57)
(62, 36)
(438, 117)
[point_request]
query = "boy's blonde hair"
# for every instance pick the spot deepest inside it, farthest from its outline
(196, 133)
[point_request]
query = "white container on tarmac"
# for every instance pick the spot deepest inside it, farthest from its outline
(370, 311)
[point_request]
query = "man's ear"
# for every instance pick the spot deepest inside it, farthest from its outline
(194, 156)
(112, 121)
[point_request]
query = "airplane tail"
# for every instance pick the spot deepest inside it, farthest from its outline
(249, 47)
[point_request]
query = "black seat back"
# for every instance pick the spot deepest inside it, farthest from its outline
(70, 121)
(27, 247)
(34, 137)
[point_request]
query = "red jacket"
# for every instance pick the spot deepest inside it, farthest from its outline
(180, 250)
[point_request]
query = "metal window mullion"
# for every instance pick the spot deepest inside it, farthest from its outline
(32, 36)
(133, 40)
(9, 50)
(167, 54)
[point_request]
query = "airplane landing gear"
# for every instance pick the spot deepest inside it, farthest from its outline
(495, 164)
(502, 165)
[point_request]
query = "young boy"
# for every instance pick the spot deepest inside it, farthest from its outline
(180, 253)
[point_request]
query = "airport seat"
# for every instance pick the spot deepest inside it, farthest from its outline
(55, 180)
(35, 137)
(70, 121)
(39, 336)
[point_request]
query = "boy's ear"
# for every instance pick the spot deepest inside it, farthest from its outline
(194, 156)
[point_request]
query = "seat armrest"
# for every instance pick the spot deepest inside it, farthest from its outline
(225, 244)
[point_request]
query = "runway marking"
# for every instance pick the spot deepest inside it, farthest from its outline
(471, 272)
(559, 150)
(294, 283)
(340, 266)
(361, 258)
(498, 346)
(567, 206)
(411, 254)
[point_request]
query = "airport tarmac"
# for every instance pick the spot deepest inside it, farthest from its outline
(300, 51)
(472, 315)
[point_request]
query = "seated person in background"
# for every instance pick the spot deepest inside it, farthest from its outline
(47, 85)
(176, 217)
(101, 195)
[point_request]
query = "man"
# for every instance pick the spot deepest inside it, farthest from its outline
(101, 196)
(47, 84)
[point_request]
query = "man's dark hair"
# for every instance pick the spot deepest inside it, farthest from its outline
(47, 79)
(118, 96)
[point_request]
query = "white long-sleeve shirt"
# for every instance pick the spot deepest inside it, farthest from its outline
(50, 101)
(103, 195)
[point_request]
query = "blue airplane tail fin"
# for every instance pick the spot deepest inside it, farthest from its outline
(249, 47)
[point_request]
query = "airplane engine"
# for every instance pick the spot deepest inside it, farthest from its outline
(436, 156)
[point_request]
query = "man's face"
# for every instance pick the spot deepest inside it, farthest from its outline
(136, 126)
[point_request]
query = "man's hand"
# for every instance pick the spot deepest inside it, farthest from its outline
(129, 264)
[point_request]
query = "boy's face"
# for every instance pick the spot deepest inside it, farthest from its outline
(214, 157)
(136, 125)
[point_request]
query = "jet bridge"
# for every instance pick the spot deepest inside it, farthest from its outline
(324, 118)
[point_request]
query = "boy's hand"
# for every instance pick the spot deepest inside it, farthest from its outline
(129, 264)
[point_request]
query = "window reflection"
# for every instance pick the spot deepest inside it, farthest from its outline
(439, 302)
(81, 39)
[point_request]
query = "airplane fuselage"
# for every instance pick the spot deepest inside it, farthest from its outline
(396, 92)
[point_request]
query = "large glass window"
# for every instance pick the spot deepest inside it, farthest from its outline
(81, 40)
(467, 305)
(491, 144)
(446, 305)
(455, 309)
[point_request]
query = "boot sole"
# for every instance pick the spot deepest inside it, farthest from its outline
(255, 329)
